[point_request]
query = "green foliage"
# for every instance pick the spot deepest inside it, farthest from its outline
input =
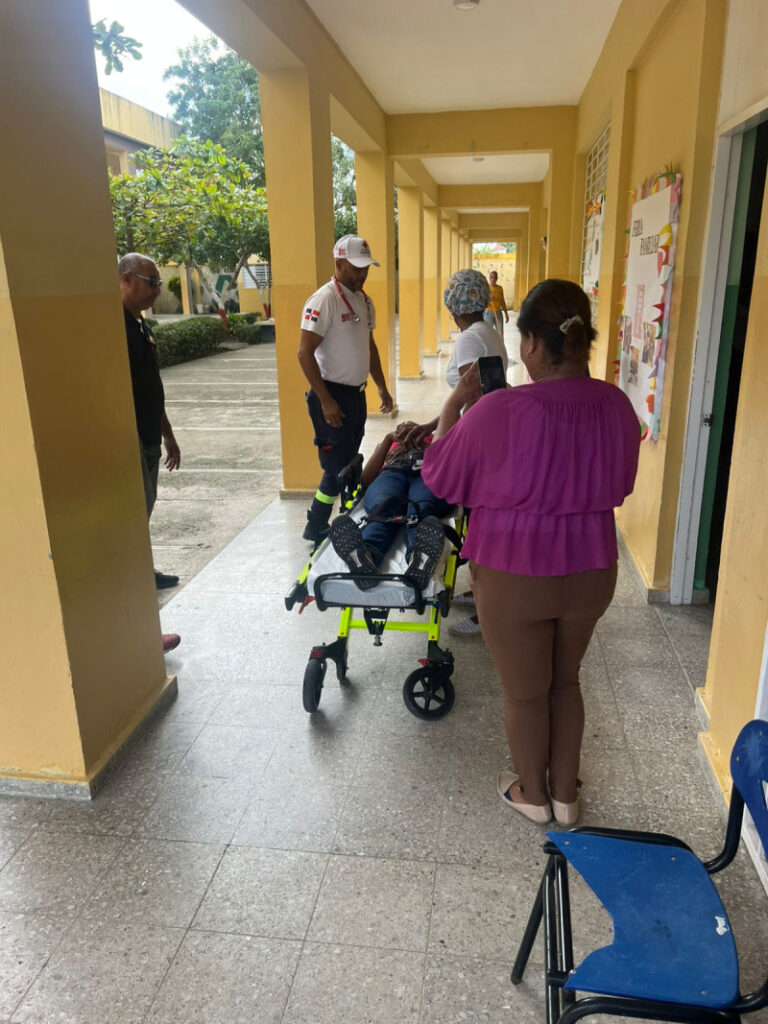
(174, 287)
(242, 318)
(344, 194)
(181, 340)
(250, 333)
(192, 204)
(112, 44)
(216, 97)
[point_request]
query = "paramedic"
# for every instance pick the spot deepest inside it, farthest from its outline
(336, 353)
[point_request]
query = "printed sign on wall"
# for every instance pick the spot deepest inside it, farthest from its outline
(647, 289)
(593, 245)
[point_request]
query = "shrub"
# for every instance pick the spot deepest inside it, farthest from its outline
(174, 287)
(242, 318)
(246, 332)
(182, 340)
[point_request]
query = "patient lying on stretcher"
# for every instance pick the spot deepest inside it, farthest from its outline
(395, 497)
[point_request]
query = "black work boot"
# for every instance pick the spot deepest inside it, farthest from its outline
(316, 529)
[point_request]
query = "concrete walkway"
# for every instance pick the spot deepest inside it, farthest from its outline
(252, 863)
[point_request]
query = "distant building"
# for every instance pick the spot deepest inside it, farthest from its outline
(129, 127)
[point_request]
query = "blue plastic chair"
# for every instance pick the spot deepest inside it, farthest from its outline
(673, 957)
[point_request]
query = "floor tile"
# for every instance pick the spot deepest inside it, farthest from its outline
(110, 972)
(26, 943)
(234, 978)
(293, 815)
(366, 901)
(262, 892)
(198, 810)
(154, 882)
(349, 985)
(229, 752)
(55, 874)
(481, 911)
(470, 990)
(390, 818)
(10, 841)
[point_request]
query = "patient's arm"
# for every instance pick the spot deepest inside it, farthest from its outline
(373, 466)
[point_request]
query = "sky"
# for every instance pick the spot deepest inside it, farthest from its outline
(162, 26)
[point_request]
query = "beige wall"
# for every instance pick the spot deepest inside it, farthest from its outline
(653, 133)
(745, 70)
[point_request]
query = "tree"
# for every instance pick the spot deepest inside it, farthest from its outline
(344, 195)
(192, 204)
(216, 97)
(112, 44)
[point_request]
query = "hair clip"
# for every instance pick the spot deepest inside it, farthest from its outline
(566, 325)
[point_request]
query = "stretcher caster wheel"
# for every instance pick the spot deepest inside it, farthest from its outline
(428, 693)
(313, 684)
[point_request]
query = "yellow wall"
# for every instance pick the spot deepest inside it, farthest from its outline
(658, 132)
(505, 265)
(80, 653)
(135, 122)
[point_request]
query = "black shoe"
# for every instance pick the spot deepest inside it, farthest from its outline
(428, 543)
(163, 581)
(315, 531)
(347, 540)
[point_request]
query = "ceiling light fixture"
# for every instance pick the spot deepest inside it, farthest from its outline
(465, 5)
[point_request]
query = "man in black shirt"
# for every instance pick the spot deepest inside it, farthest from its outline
(139, 287)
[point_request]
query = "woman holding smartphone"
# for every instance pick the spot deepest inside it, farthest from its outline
(542, 466)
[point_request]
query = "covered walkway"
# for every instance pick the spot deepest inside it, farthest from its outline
(249, 862)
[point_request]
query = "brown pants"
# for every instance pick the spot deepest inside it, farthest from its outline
(537, 629)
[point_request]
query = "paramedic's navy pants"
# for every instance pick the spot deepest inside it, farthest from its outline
(414, 495)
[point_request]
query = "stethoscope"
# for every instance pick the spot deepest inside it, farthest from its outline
(345, 300)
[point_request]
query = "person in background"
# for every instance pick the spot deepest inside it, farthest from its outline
(496, 305)
(542, 466)
(140, 285)
(336, 353)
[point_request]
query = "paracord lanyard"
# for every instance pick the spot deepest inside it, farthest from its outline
(345, 300)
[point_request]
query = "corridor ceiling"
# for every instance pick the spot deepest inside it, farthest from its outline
(421, 56)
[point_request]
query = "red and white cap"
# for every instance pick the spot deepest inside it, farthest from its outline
(355, 250)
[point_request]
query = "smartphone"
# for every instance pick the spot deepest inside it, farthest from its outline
(492, 375)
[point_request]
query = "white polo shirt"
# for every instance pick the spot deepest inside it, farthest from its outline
(344, 354)
(479, 339)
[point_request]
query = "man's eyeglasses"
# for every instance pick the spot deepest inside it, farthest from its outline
(153, 282)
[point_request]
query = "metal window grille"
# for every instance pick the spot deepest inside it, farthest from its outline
(596, 179)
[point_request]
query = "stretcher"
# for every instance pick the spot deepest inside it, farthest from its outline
(428, 691)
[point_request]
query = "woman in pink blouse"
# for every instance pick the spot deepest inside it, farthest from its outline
(542, 467)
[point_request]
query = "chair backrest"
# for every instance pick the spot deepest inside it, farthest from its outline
(749, 770)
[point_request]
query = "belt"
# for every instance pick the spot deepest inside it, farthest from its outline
(347, 387)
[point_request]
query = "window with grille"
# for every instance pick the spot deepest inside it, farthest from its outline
(594, 196)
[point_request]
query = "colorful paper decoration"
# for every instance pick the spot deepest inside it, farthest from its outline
(645, 297)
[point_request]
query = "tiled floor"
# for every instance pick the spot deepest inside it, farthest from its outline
(250, 863)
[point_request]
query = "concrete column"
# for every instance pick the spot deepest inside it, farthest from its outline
(299, 179)
(445, 273)
(559, 226)
(431, 278)
(410, 211)
(455, 258)
(520, 271)
(81, 661)
(376, 222)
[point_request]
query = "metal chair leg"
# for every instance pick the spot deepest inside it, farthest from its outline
(529, 936)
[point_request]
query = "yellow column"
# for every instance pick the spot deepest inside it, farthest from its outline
(80, 654)
(410, 207)
(455, 257)
(376, 223)
(520, 272)
(297, 157)
(431, 278)
(445, 273)
(561, 200)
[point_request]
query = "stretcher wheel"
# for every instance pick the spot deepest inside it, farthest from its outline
(313, 683)
(428, 693)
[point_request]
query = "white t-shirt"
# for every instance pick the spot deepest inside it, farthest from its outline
(344, 354)
(479, 339)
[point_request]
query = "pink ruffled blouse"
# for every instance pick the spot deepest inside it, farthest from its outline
(542, 466)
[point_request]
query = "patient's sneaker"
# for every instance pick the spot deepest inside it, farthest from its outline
(347, 540)
(428, 542)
